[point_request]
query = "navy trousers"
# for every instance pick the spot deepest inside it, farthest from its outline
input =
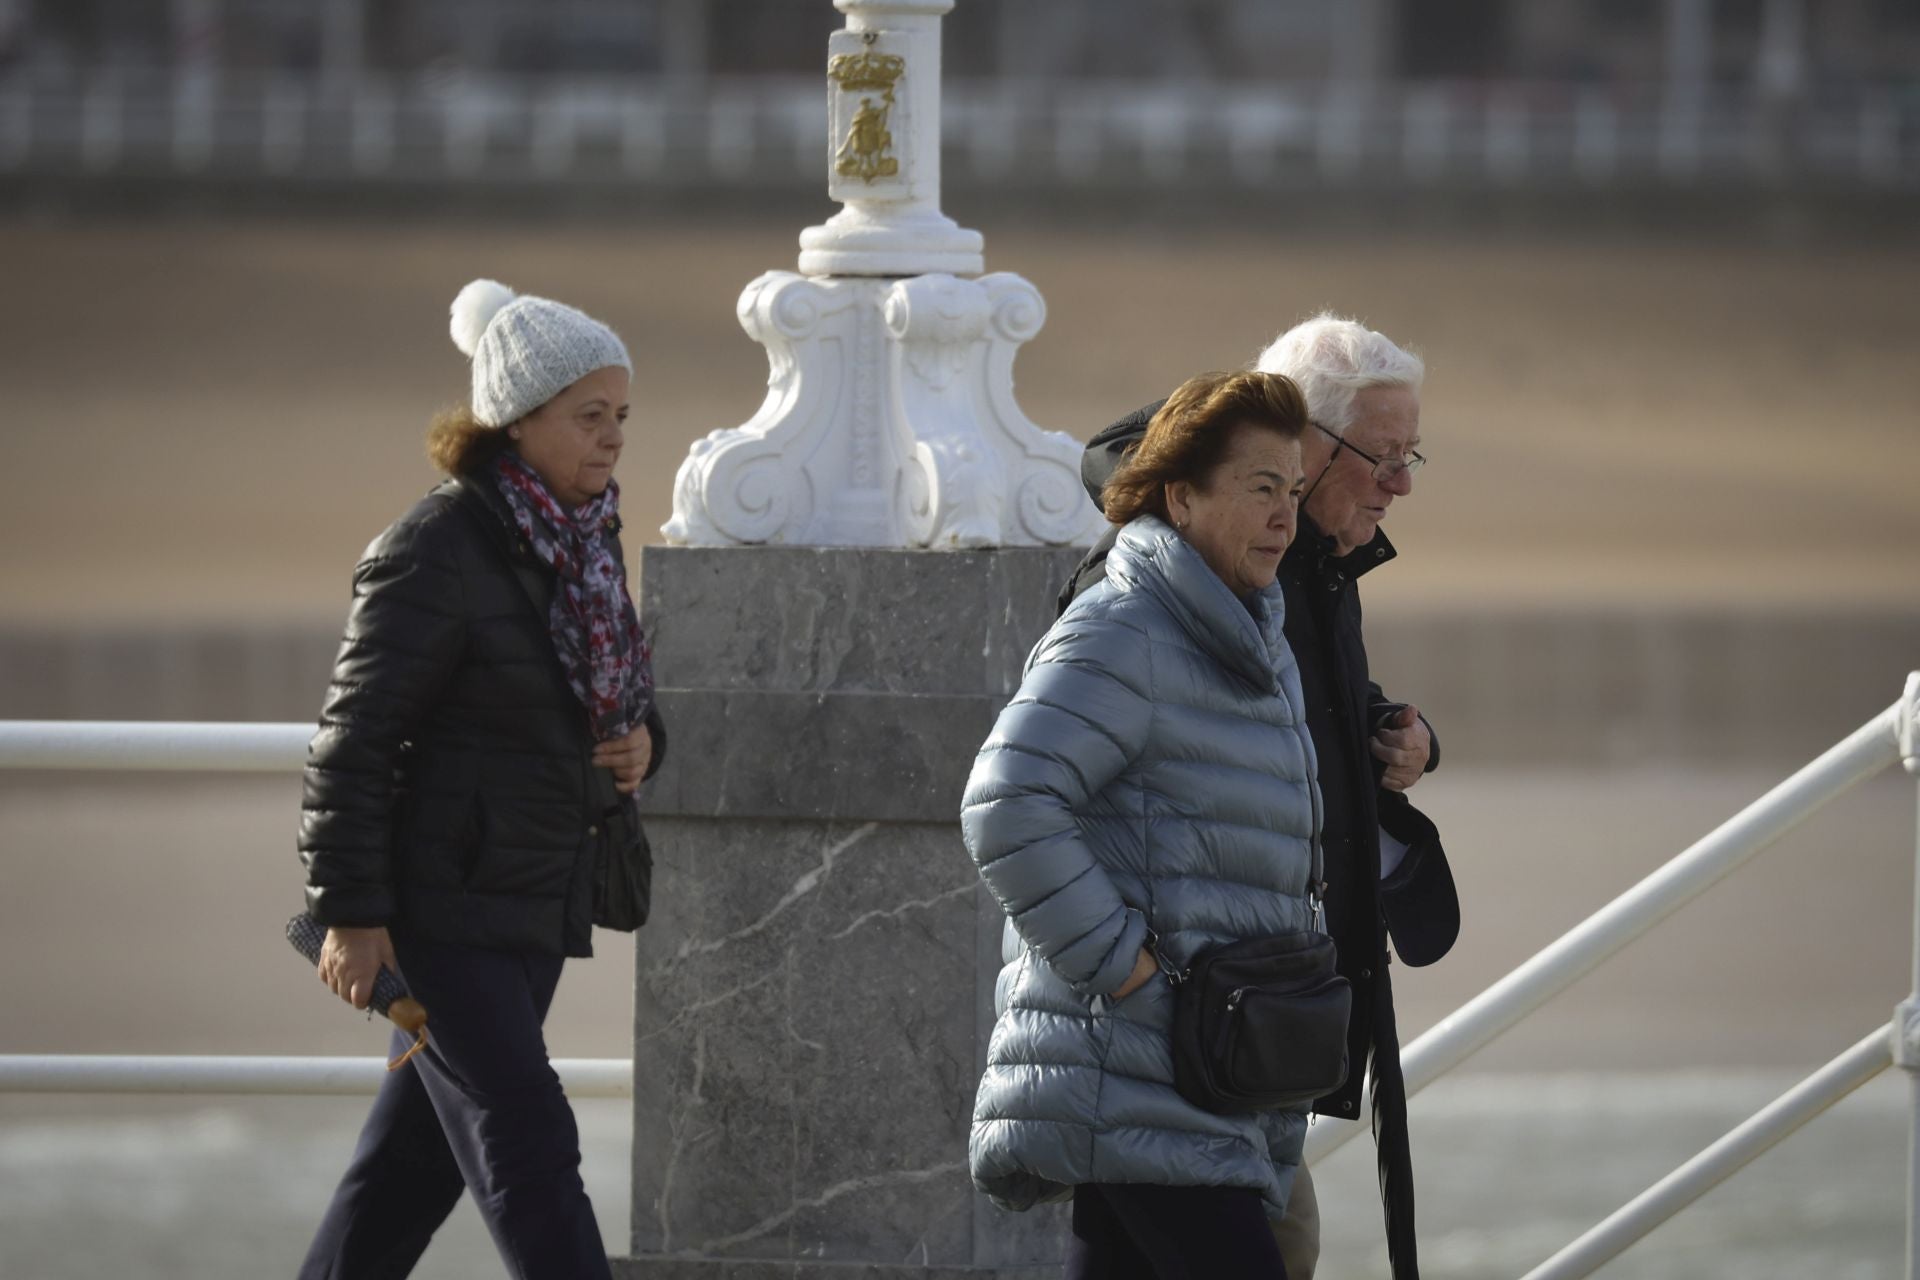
(480, 1110)
(1137, 1231)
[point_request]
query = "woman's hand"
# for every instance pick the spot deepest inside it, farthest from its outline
(628, 757)
(1143, 970)
(350, 959)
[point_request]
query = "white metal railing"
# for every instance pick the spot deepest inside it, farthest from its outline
(1609, 930)
(159, 744)
(110, 1073)
(1747, 1143)
(1891, 736)
(209, 748)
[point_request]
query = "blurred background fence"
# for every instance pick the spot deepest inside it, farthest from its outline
(1249, 93)
(610, 130)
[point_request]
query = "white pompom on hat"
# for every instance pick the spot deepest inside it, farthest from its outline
(526, 350)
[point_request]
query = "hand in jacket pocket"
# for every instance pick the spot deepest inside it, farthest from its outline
(1144, 967)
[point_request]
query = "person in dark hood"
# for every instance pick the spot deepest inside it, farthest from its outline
(1389, 888)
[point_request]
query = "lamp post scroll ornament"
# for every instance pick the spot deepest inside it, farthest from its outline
(889, 418)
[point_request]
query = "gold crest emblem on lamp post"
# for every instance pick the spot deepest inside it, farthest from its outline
(866, 152)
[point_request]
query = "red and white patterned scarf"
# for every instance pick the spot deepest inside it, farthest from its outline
(596, 629)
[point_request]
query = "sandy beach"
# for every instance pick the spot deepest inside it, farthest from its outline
(219, 417)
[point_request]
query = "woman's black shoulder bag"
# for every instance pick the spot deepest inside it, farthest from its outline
(1260, 1023)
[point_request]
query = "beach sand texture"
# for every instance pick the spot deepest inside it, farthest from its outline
(210, 421)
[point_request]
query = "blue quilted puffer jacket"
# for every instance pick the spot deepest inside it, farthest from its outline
(1154, 771)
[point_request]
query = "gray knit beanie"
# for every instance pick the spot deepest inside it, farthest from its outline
(526, 350)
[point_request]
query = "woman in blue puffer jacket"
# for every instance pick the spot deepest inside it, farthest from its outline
(1152, 780)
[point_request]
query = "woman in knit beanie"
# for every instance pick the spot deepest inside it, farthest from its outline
(468, 812)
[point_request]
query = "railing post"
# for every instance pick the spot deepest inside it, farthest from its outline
(1906, 1019)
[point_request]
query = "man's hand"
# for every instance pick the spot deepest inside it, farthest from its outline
(350, 959)
(628, 757)
(1143, 970)
(1404, 743)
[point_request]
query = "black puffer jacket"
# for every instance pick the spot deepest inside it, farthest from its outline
(450, 790)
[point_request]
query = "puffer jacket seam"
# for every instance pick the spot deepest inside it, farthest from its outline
(1257, 776)
(1043, 755)
(1103, 1131)
(1095, 666)
(1176, 816)
(1171, 1128)
(1040, 902)
(1228, 880)
(1105, 1033)
(1115, 618)
(1099, 1094)
(1048, 1062)
(994, 862)
(1146, 817)
(1081, 716)
(1146, 870)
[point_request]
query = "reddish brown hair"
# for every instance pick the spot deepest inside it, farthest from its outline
(460, 446)
(1191, 434)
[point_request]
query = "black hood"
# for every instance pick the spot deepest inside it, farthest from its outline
(1104, 451)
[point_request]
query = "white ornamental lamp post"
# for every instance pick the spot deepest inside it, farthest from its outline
(890, 419)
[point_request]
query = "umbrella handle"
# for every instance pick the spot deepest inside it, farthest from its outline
(407, 1014)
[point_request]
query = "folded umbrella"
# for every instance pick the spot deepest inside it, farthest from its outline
(390, 999)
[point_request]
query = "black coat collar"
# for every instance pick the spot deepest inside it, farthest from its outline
(484, 500)
(1313, 553)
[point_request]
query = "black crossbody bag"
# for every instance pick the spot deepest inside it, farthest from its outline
(1260, 1023)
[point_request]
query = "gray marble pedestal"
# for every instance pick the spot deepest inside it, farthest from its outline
(814, 993)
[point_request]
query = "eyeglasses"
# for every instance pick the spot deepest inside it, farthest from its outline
(1385, 470)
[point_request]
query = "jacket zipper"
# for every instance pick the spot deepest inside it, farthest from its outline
(1317, 884)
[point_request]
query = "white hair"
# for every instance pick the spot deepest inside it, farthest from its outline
(1331, 357)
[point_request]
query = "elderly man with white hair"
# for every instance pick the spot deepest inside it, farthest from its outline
(1387, 879)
